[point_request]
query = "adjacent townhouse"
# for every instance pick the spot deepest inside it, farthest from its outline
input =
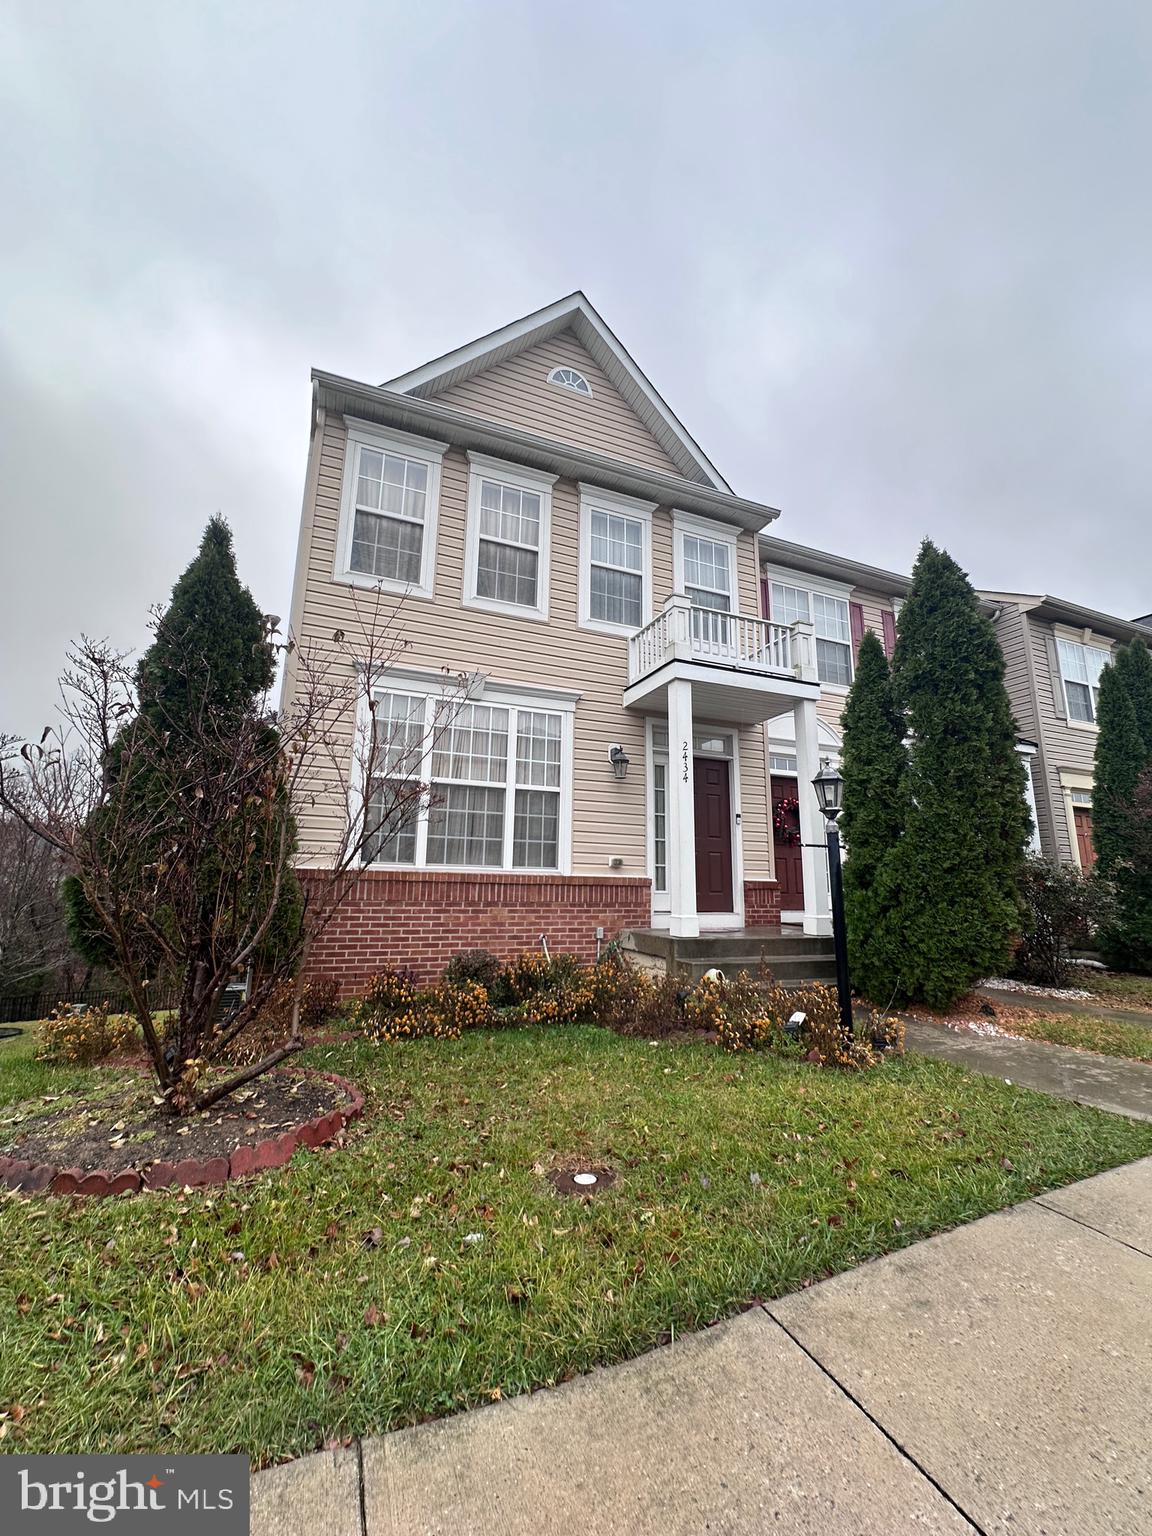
(1055, 652)
(551, 526)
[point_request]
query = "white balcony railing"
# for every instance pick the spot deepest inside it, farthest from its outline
(735, 640)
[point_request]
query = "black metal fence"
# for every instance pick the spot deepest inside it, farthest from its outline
(18, 1007)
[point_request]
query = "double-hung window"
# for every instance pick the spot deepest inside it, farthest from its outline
(615, 561)
(1080, 669)
(498, 782)
(705, 571)
(389, 510)
(509, 518)
(829, 616)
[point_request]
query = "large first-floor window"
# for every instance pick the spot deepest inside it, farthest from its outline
(496, 777)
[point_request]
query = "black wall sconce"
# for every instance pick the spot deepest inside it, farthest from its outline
(619, 760)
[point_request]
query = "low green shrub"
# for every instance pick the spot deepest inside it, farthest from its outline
(479, 965)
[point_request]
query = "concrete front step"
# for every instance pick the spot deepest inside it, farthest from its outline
(791, 957)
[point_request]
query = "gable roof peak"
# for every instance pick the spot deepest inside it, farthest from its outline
(574, 313)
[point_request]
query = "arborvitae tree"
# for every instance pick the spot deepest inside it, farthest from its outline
(951, 881)
(1133, 662)
(1120, 758)
(1119, 804)
(874, 762)
(210, 661)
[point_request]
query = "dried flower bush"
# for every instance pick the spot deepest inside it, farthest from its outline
(82, 1037)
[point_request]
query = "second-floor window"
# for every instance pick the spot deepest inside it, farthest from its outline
(509, 517)
(389, 510)
(829, 617)
(708, 572)
(615, 561)
(1080, 669)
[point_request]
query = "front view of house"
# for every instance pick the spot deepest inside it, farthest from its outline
(548, 526)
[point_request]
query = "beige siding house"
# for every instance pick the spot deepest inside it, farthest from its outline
(536, 516)
(1055, 651)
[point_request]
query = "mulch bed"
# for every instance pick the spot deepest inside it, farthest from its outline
(120, 1140)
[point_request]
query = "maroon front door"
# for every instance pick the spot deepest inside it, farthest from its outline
(786, 844)
(713, 804)
(1085, 843)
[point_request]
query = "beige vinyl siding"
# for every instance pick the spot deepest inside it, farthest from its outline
(518, 393)
(1063, 746)
(609, 817)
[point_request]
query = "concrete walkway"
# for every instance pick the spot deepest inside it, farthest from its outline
(1103, 1082)
(995, 1379)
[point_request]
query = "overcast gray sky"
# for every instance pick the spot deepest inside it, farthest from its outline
(889, 261)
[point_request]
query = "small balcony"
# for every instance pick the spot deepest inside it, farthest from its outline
(743, 669)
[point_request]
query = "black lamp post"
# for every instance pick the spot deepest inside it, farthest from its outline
(829, 787)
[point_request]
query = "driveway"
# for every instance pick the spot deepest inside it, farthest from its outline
(997, 1378)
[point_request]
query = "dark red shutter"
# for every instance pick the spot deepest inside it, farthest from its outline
(856, 622)
(889, 633)
(765, 600)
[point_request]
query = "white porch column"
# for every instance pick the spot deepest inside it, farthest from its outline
(684, 922)
(817, 896)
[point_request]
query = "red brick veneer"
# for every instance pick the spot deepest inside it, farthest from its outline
(417, 920)
(761, 902)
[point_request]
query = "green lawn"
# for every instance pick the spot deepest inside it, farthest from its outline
(1115, 988)
(1110, 1037)
(340, 1296)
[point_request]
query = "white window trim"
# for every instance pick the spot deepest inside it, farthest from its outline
(481, 467)
(582, 394)
(510, 697)
(818, 587)
(592, 499)
(1089, 640)
(705, 528)
(365, 434)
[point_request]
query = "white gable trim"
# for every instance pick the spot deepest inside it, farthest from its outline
(605, 349)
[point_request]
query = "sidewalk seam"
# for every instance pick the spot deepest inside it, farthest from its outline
(360, 1487)
(873, 1420)
(1087, 1225)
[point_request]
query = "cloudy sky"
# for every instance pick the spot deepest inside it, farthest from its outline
(889, 261)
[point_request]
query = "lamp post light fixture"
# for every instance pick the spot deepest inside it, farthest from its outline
(619, 759)
(829, 787)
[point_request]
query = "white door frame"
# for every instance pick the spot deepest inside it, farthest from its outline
(661, 904)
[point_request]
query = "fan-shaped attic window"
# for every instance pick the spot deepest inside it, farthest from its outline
(568, 378)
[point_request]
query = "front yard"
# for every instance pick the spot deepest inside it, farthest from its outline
(429, 1264)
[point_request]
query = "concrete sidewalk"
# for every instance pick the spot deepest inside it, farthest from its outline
(995, 1379)
(1113, 1083)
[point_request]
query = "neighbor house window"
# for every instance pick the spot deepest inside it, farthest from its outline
(829, 617)
(389, 510)
(509, 515)
(569, 378)
(615, 561)
(1080, 669)
(498, 778)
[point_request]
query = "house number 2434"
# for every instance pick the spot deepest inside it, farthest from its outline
(684, 752)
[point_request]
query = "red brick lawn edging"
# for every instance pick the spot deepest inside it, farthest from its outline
(32, 1178)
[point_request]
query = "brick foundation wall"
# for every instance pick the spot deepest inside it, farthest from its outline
(761, 903)
(417, 920)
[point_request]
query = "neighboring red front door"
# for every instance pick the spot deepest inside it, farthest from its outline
(713, 804)
(1082, 816)
(786, 845)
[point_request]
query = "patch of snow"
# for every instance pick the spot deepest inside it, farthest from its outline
(1005, 984)
(983, 1027)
